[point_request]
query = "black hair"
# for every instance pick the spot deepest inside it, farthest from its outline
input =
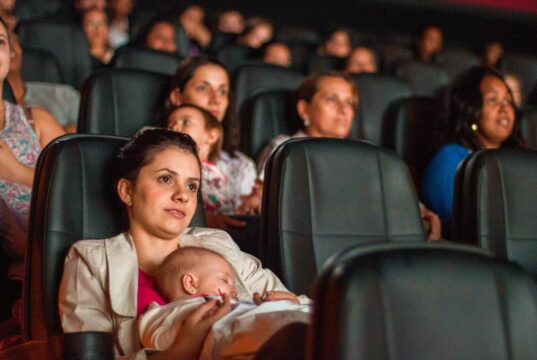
(463, 105)
(184, 73)
(141, 149)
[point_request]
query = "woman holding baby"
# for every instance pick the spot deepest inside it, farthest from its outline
(108, 283)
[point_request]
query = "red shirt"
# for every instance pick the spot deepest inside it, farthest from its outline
(147, 293)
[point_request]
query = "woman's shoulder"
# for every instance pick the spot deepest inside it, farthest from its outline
(93, 247)
(208, 238)
(452, 150)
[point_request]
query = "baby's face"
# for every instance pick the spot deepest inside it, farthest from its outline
(189, 121)
(216, 278)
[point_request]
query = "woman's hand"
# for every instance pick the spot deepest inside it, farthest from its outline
(219, 221)
(13, 170)
(194, 329)
(435, 225)
(275, 295)
(251, 204)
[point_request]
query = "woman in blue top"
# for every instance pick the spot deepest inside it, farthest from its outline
(479, 113)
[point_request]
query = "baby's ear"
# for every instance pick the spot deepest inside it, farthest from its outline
(189, 283)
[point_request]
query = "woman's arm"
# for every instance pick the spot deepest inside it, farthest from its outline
(13, 170)
(46, 126)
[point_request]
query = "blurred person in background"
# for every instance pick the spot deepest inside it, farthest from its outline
(277, 53)
(192, 20)
(337, 43)
(95, 26)
(428, 43)
(492, 54)
(362, 59)
(119, 11)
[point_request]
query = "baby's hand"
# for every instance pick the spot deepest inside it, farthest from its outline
(275, 295)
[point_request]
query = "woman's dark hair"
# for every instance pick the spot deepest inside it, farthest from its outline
(230, 123)
(141, 149)
(210, 123)
(463, 104)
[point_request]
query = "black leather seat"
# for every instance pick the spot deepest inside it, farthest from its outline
(73, 198)
(146, 59)
(40, 66)
(455, 61)
(424, 79)
(65, 40)
(376, 92)
(234, 56)
(266, 115)
(325, 62)
(528, 126)
(495, 202)
(121, 101)
(422, 302)
(408, 128)
(324, 195)
(249, 80)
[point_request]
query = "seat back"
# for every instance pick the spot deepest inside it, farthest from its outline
(407, 301)
(325, 62)
(234, 56)
(408, 128)
(323, 195)
(252, 79)
(424, 79)
(40, 66)
(73, 198)
(376, 92)
(455, 61)
(528, 126)
(495, 201)
(121, 101)
(66, 41)
(266, 115)
(146, 59)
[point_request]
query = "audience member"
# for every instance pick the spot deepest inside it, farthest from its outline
(186, 278)
(95, 26)
(206, 83)
(192, 20)
(120, 11)
(337, 43)
(23, 133)
(428, 44)
(277, 53)
(158, 176)
(61, 100)
(361, 60)
(7, 12)
(479, 114)
(230, 22)
(161, 36)
(257, 34)
(515, 85)
(492, 55)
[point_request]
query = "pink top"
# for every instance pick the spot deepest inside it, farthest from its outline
(147, 293)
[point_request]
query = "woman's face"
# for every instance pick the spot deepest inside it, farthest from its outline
(95, 26)
(208, 88)
(498, 114)
(331, 109)
(339, 44)
(5, 53)
(163, 199)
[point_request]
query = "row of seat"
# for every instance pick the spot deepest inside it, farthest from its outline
(308, 216)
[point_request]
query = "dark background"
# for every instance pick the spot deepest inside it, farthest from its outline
(463, 25)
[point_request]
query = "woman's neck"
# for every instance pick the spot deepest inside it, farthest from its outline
(151, 250)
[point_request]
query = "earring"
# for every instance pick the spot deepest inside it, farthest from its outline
(306, 122)
(474, 127)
